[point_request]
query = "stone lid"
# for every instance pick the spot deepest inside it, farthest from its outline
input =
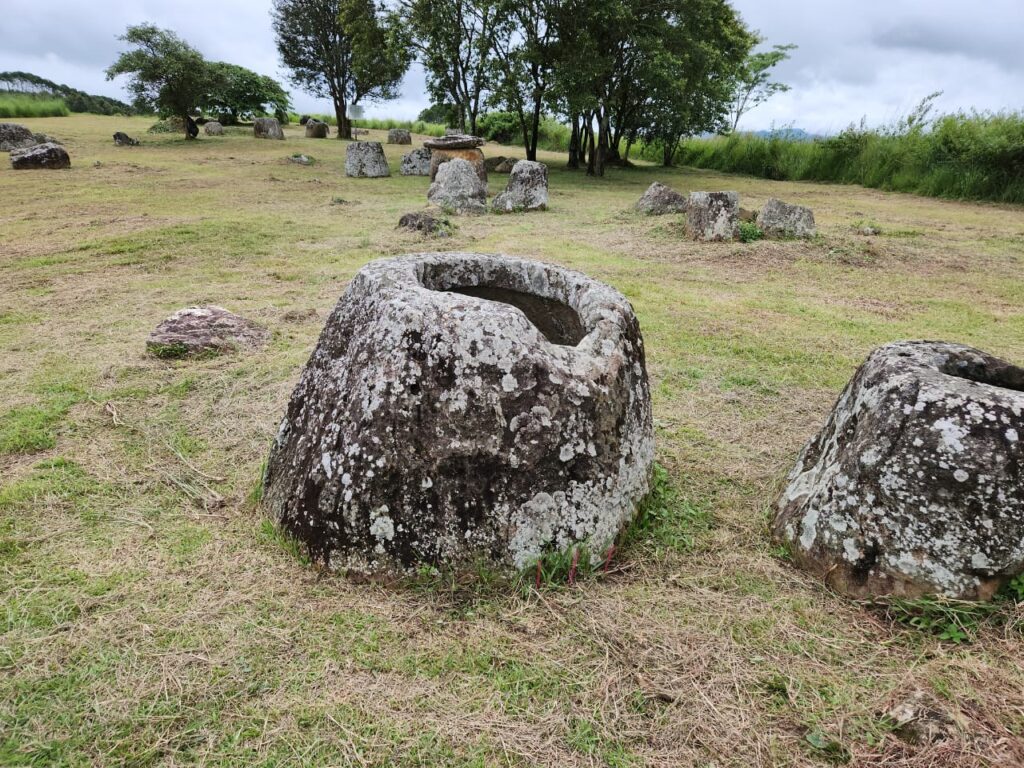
(461, 141)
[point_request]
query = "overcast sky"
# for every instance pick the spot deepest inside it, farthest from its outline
(873, 58)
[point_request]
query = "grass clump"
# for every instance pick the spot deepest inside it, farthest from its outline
(749, 232)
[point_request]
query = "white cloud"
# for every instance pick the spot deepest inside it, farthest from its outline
(874, 59)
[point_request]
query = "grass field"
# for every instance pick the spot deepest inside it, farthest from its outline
(151, 617)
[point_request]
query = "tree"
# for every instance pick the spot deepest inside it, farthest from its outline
(238, 93)
(753, 84)
(166, 74)
(345, 50)
(453, 40)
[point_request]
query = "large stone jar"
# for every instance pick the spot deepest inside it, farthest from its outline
(915, 485)
(465, 406)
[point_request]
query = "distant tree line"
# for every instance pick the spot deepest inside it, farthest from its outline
(74, 99)
(170, 77)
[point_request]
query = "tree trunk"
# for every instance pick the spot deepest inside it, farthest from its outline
(574, 144)
(591, 153)
(191, 129)
(344, 124)
(531, 150)
(602, 142)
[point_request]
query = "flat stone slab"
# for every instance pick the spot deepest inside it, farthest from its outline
(455, 141)
(206, 330)
(914, 485)
(460, 407)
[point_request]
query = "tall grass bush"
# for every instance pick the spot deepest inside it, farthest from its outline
(967, 155)
(26, 105)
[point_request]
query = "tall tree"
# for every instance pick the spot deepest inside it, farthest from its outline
(454, 40)
(753, 84)
(345, 50)
(166, 74)
(238, 93)
(525, 52)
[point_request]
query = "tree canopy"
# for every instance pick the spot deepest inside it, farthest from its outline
(237, 93)
(345, 50)
(753, 85)
(165, 73)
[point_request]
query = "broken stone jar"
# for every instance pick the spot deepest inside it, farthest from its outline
(461, 407)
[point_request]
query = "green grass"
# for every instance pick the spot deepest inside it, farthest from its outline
(151, 615)
(26, 105)
(960, 156)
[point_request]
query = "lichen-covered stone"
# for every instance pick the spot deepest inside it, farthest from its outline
(399, 136)
(207, 330)
(15, 136)
(915, 484)
(779, 219)
(316, 130)
(713, 216)
(465, 406)
(213, 128)
(527, 189)
(457, 188)
(366, 159)
(454, 141)
(40, 156)
(122, 139)
(415, 163)
(659, 200)
(506, 165)
(267, 128)
(418, 221)
(474, 157)
(490, 163)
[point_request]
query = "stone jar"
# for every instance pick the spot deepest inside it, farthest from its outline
(461, 407)
(915, 485)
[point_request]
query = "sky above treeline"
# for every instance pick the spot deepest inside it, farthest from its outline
(874, 58)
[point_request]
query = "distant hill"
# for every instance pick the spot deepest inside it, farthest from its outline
(76, 100)
(792, 134)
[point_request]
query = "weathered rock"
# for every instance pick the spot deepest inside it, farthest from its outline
(748, 216)
(712, 216)
(659, 200)
(415, 163)
(207, 330)
(213, 128)
(920, 720)
(506, 165)
(915, 484)
(527, 189)
(454, 141)
(304, 119)
(457, 188)
(15, 136)
(490, 163)
(453, 132)
(365, 159)
(360, 132)
(316, 130)
(40, 156)
(45, 138)
(399, 136)
(267, 128)
(474, 157)
(868, 231)
(779, 219)
(122, 139)
(424, 222)
(465, 406)
(301, 159)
